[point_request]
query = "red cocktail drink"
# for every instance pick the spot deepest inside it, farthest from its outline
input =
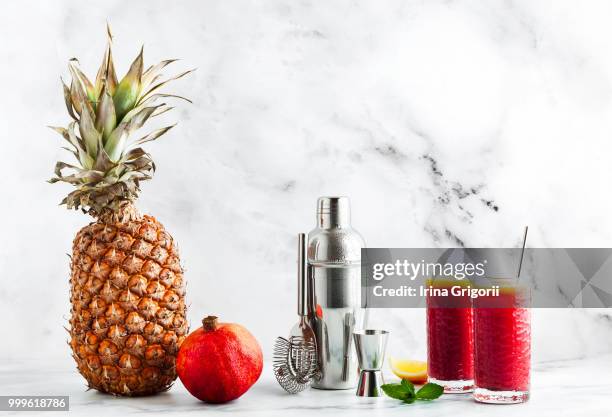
(502, 339)
(450, 361)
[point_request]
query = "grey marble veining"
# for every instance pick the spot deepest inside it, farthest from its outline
(446, 122)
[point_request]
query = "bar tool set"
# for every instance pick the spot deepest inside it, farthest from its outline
(319, 351)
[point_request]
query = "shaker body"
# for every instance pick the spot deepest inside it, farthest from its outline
(337, 313)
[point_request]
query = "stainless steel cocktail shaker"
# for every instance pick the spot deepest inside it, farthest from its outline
(334, 260)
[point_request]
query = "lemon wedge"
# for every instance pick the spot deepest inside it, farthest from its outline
(414, 371)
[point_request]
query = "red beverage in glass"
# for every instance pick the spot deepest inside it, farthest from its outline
(450, 358)
(502, 338)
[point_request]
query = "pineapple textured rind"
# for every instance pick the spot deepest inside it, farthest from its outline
(128, 316)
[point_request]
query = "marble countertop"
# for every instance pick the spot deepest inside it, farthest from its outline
(572, 388)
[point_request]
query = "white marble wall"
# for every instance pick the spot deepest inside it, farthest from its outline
(444, 121)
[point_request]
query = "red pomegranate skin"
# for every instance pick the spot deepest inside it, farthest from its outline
(219, 362)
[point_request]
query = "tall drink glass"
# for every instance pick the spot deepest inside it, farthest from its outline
(450, 358)
(502, 343)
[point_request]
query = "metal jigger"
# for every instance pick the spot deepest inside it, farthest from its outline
(371, 346)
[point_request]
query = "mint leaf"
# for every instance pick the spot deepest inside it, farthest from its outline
(396, 391)
(410, 399)
(408, 386)
(405, 391)
(429, 392)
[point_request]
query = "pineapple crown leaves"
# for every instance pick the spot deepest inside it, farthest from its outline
(110, 164)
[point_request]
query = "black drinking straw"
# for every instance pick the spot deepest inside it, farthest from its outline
(522, 252)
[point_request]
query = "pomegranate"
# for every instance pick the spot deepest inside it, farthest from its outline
(219, 361)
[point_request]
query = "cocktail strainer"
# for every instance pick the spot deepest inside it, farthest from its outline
(295, 358)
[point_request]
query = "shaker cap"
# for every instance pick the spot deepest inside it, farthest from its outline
(334, 211)
(334, 241)
(333, 204)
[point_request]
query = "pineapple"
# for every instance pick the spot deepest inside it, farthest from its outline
(128, 314)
